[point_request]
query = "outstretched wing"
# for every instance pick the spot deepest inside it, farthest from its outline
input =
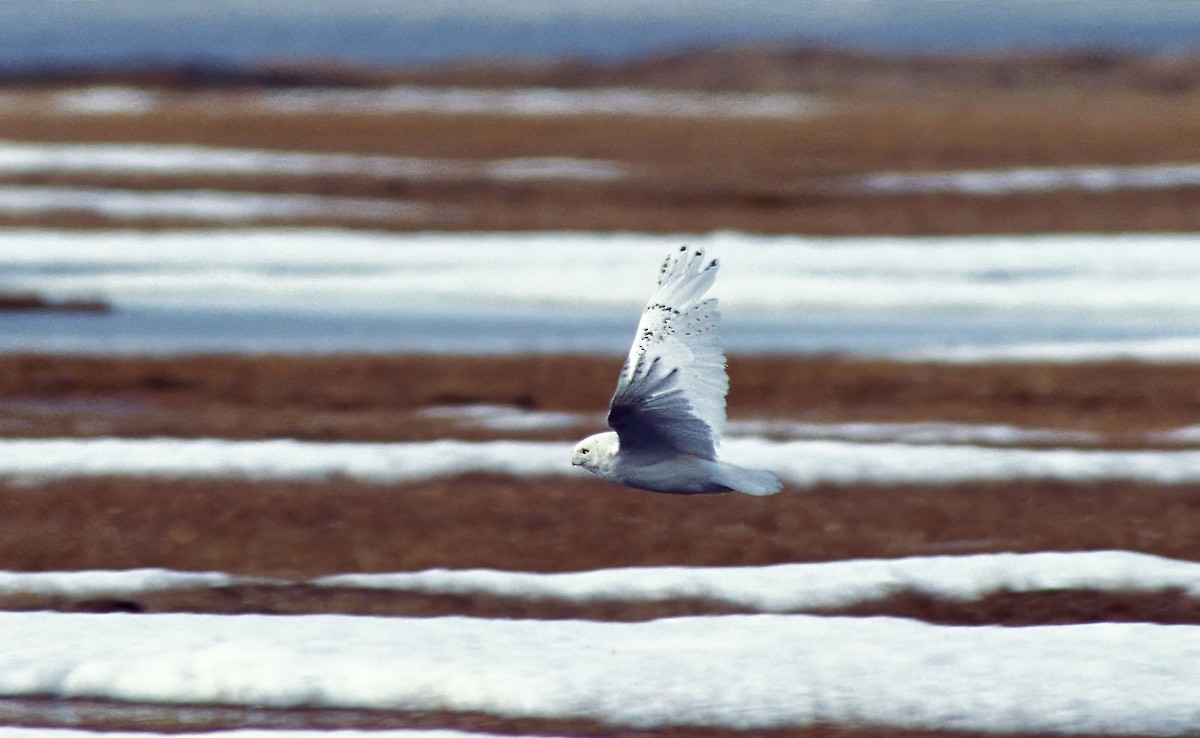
(671, 394)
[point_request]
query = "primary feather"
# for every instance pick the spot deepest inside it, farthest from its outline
(673, 386)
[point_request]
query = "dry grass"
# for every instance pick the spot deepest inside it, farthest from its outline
(302, 530)
(1057, 607)
(112, 716)
(348, 397)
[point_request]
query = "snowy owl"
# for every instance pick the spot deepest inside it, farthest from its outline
(669, 408)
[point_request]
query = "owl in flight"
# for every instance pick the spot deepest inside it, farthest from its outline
(669, 408)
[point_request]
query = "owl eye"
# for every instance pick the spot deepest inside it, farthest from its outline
(583, 450)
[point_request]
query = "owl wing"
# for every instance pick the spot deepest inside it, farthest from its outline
(670, 397)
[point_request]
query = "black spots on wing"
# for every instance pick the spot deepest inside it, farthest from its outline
(675, 322)
(664, 308)
(682, 249)
(666, 323)
(711, 265)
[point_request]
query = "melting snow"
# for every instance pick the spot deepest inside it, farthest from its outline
(1070, 297)
(1150, 276)
(923, 432)
(206, 205)
(22, 158)
(788, 587)
(538, 102)
(1034, 179)
(527, 102)
(1169, 349)
(797, 462)
(110, 583)
(107, 100)
(778, 588)
(503, 417)
(508, 418)
(745, 672)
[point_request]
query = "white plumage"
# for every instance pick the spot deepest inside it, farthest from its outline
(668, 412)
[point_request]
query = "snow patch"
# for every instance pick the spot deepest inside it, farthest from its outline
(1065, 298)
(23, 158)
(796, 587)
(507, 418)
(106, 100)
(538, 102)
(1171, 349)
(744, 672)
(924, 432)
(112, 583)
(777, 588)
(1071, 276)
(803, 463)
(997, 182)
(204, 205)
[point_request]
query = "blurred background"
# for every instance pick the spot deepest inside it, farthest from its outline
(296, 289)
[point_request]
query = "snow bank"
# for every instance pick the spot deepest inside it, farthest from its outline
(25, 158)
(1033, 179)
(1068, 298)
(736, 671)
(538, 102)
(794, 587)
(995, 434)
(111, 583)
(521, 103)
(779, 588)
(1168, 349)
(208, 205)
(1145, 276)
(797, 462)
(508, 418)
(107, 100)
(814, 462)
(287, 459)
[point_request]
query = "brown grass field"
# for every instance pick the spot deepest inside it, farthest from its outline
(686, 175)
(307, 529)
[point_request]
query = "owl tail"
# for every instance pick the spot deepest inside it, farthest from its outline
(756, 482)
